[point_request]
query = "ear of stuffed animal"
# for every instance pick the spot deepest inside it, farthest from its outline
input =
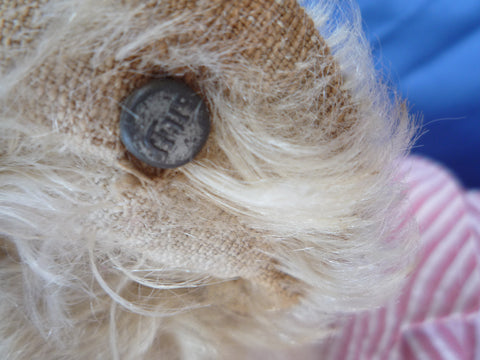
(290, 217)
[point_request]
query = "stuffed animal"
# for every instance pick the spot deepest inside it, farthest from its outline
(192, 179)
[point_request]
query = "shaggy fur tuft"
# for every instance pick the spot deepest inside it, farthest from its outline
(291, 217)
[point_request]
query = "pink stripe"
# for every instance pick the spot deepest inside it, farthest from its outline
(450, 338)
(434, 234)
(453, 210)
(424, 342)
(363, 335)
(357, 337)
(450, 270)
(392, 326)
(433, 238)
(428, 249)
(422, 201)
(345, 343)
(372, 326)
(398, 312)
(446, 280)
(473, 304)
(338, 346)
(451, 285)
(413, 347)
(473, 198)
(440, 340)
(406, 351)
(473, 202)
(374, 340)
(473, 334)
(469, 298)
(425, 190)
(436, 204)
(430, 276)
(424, 163)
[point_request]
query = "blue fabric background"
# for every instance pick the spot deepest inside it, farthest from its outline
(430, 50)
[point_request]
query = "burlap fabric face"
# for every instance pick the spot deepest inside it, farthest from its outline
(283, 205)
(84, 95)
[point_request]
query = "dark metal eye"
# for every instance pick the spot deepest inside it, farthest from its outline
(164, 124)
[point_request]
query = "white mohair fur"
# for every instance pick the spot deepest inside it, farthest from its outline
(76, 283)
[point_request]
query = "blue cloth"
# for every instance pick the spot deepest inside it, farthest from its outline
(430, 50)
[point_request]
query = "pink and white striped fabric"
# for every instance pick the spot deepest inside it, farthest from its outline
(438, 313)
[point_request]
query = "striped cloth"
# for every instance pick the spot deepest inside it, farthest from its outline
(437, 315)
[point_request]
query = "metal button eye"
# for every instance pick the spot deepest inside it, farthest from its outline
(164, 124)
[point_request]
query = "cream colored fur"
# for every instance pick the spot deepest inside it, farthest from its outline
(328, 210)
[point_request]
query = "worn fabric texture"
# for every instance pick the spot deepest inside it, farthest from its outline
(291, 216)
